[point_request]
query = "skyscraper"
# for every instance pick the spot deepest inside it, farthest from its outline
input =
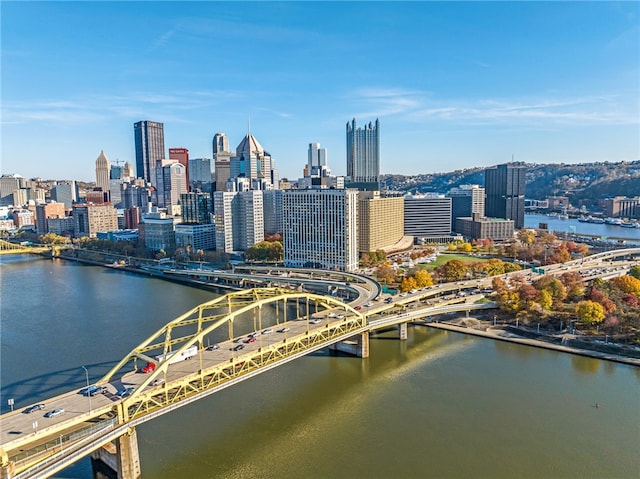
(320, 228)
(363, 155)
(170, 182)
(505, 186)
(182, 155)
(149, 142)
(103, 171)
(253, 162)
(221, 160)
(465, 201)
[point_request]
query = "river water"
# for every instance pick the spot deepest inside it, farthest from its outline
(439, 405)
(574, 226)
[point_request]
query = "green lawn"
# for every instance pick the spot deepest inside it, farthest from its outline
(444, 257)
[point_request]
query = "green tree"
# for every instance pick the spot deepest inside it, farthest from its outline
(635, 271)
(590, 312)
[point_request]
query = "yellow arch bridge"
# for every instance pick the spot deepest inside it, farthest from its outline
(15, 248)
(213, 346)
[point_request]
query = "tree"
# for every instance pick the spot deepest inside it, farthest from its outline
(553, 286)
(626, 284)
(453, 270)
(526, 236)
(590, 312)
(574, 284)
(423, 278)
(545, 300)
(408, 284)
(601, 298)
(635, 271)
(385, 273)
(52, 238)
(509, 301)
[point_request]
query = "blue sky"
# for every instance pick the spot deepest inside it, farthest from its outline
(454, 84)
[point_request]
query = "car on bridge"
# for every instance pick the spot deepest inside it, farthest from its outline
(89, 390)
(284, 330)
(98, 390)
(239, 347)
(252, 339)
(34, 408)
(123, 393)
(212, 347)
(267, 331)
(54, 412)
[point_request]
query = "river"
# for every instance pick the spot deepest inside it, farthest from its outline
(439, 405)
(578, 227)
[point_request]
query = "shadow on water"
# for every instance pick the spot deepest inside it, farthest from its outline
(35, 388)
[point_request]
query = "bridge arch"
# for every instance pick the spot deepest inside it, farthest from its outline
(208, 317)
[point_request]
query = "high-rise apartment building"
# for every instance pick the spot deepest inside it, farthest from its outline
(182, 155)
(239, 219)
(149, 142)
(103, 171)
(320, 228)
(363, 155)
(505, 189)
(221, 159)
(272, 203)
(380, 221)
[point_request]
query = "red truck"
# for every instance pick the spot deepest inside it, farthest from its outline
(186, 354)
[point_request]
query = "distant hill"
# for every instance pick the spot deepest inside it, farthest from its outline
(586, 181)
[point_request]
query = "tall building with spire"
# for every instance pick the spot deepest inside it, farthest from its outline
(149, 143)
(253, 162)
(221, 161)
(103, 171)
(363, 155)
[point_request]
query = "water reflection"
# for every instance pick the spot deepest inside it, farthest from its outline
(583, 364)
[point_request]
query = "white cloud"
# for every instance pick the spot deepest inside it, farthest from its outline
(419, 106)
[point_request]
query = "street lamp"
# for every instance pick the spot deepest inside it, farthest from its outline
(86, 372)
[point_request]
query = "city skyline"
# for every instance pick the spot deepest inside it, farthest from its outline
(454, 85)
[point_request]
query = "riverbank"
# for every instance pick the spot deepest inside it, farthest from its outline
(567, 343)
(562, 343)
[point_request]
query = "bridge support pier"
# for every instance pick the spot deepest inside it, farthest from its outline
(122, 458)
(8, 470)
(402, 331)
(356, 346)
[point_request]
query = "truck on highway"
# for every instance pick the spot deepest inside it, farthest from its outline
(172, 358)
